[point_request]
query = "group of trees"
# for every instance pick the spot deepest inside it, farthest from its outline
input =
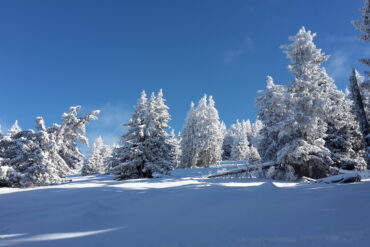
(45, 155)
(306, 127)
(241, 141)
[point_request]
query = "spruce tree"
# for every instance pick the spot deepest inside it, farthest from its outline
(96, 162)
(202, 136)
(364, 27)
(144, 148)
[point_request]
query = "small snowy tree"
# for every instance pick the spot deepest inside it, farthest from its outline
(14, 129)
(202, 136)
(175, 142)
(97, 159)
(145, 149)
(358, 105)
(240, 147)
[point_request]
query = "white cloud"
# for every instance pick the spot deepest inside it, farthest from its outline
(339, 66)
(340, 39)
(247, 46)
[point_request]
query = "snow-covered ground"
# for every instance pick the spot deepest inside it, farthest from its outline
(186, 209)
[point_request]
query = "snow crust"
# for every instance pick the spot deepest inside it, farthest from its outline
(186, 209)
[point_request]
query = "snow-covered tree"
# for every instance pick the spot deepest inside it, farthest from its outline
(14, 129)
(255, 136)
(175, 141)
(228, 142)
(364, 27)
(240, 147)
(97, 160)
(359, 104)
(357, 89)
(32, 158)
(202, 136)
(70, 132)
(238, 138)
(145, 149)
(272, 112)
(305, 123)
(24, 163)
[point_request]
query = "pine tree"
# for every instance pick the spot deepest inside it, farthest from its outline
(189, 146)
(144, 149)
(272, 112)
(358, 104)
(240, 147)
(33, 158)
(175, 142)
(97, 159)
(229, 140)
(364, 27)
(318, 131)
(202, 136)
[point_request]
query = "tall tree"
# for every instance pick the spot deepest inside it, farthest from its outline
(310, 124)
(144, 148)
(356, 88)
(175, 142)
(272, 112)
(14, 129)
(202, 136)
(364, 27)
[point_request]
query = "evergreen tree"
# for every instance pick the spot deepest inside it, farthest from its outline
(355, 95)
(175, 142)
(240, 147)
(306, 126)
(318, 131)
(228, 142)
(33, 158)
(202, 136)
(97, 159)
(364, 27)
(14, 129)
(189, 146)
(144, 149)
(272, 112)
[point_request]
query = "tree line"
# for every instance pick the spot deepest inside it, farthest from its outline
(306, 127)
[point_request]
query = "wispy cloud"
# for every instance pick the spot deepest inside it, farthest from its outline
(339, 65)
(4, 126)
(340, 39)
(110, 123)
(246, 46)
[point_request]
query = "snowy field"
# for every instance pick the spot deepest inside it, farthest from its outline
(186, 209)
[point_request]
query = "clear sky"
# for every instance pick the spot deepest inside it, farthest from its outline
(101, 54)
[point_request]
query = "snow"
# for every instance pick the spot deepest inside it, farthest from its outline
(186, 209)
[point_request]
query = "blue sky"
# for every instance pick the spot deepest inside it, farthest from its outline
(101, 54)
